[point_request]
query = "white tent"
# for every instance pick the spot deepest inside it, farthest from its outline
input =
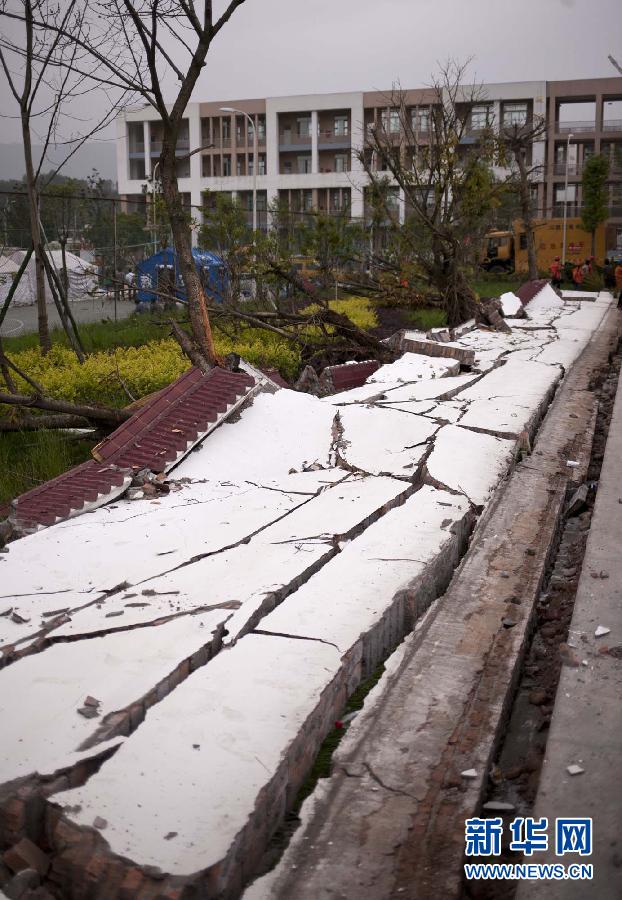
(82, 277)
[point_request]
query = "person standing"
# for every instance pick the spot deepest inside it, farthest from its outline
(618, 278)
(556, 273)
(609, 276)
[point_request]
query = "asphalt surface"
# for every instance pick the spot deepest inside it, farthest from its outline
(23, 319)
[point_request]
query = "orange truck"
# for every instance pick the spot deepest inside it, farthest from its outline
(506, 251)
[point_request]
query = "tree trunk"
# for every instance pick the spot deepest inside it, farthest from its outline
(93, 413)
(197, 308)
(525, 202)
(35, 230)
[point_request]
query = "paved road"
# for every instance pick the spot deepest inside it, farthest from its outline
(23, 319)
(586, 728)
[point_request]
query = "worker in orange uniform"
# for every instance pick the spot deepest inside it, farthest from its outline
(556, 272)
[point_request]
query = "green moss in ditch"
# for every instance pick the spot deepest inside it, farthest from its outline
(322, 764)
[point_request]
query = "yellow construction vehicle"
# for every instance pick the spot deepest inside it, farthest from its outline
(506, 251)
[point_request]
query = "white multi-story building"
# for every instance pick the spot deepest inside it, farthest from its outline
(309, 146)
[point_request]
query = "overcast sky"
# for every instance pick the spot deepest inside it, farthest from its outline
(277, 47)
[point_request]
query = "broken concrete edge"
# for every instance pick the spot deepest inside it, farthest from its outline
(227, 877)
(505, 661)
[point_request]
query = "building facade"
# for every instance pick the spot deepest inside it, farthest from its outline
(309, 146)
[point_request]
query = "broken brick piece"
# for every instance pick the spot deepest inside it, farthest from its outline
(433, 348)
(89, 712)
(26, 855)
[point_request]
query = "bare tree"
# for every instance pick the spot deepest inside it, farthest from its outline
(447, 183)
(518, 140)
(40, 66)
(143, 47)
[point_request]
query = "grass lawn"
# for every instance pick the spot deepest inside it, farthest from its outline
(487, 288)
(134, 331)
(31, 458)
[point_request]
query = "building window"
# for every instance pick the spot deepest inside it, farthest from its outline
(514, 114)
(341, 162)
(206, 166)
(182, 168)
(304, 126)
(136, 137)
(287, 167)
(261, 130)
(304, 165)
(226, 129)
(341, 126)
(481, 117)
(307, 200)
(420, 119)
(261, 164)
(226, 166)
(391, 120)
(239, 165)
(137, 169)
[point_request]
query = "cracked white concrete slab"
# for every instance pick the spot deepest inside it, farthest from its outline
(384, 441)
(430, 390)
(468, 462)
(41, 694)
(201, 757)
(274, 434)
(240, 579)
(140, 540)
(356, 589)
(510, 304)
(414, 367)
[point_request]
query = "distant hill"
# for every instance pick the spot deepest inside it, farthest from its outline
(93, 155)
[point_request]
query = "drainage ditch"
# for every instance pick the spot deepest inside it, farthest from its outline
(515, 775)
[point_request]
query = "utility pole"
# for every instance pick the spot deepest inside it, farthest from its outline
(114, 256)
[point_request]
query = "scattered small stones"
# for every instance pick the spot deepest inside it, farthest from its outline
(99, 823)
(575, 769)
(498, 806)
(469, 773)
(537, 698)
(26, 855)
(92, 701)
(578, 501)
(568, 656)
(25, 881)
(530, 552)
(508, 623)
(601, 631)
(170, 835)
(88, 712)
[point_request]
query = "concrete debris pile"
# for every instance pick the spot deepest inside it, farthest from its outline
(214, 633)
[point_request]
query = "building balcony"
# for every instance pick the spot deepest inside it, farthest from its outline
(575, 127)
(613, 125)
(288, 141)
(183, 147)
(574, 169)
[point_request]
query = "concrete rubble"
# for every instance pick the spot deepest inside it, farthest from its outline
(215, 632)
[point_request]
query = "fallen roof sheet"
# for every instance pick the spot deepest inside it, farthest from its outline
(155, 438)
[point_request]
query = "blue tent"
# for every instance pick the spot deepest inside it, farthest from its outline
(160, 274)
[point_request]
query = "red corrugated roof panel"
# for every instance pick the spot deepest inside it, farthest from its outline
(351, 375)
(528, 291)
(155, 438)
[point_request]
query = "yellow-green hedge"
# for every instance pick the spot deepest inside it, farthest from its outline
(142, 369)
(154, 365)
